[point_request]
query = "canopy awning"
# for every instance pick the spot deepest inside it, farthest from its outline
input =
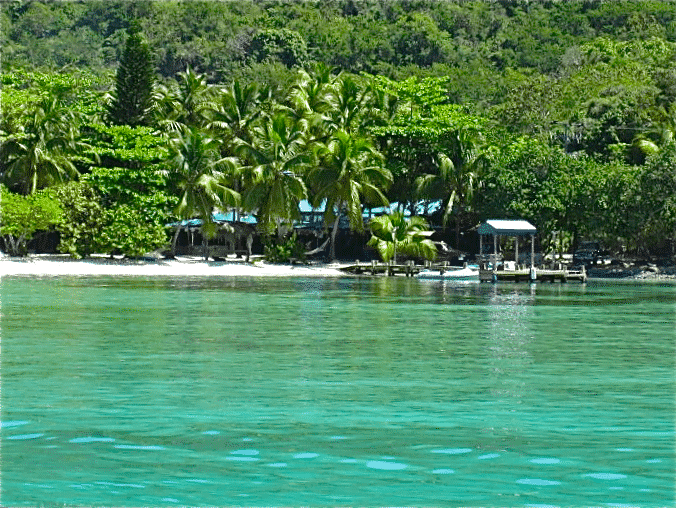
(507, 228)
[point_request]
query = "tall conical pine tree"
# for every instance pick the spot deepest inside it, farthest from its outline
(134, 81)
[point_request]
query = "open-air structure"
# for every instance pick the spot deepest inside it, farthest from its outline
(511, 228)
(493, 268)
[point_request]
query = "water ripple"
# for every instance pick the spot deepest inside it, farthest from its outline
(130, 485)
(79, 440)
(453, 451)
(537, 481)
(489, 456)
(606, 476)
(309, 455)
(140, 447)
(25, 436)
(249, 452)
(544, 460)
(14, 423)
(240, 458)
(386, 466)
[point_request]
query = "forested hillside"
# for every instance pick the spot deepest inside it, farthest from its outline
(559, 112)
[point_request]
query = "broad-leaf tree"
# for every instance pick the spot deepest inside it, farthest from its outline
(21, 216)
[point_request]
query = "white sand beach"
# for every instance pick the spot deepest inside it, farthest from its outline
(63, 265)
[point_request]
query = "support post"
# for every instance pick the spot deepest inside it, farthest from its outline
(481, 250)
(495, 253)
(532, 250)
(516, 251)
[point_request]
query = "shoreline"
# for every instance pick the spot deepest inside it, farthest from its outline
(59, 265)
(51, 265)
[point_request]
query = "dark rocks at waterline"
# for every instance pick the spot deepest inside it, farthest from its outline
(649, 271)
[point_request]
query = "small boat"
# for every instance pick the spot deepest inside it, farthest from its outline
(465, 273)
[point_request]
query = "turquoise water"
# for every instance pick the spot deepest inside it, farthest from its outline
(336, 392)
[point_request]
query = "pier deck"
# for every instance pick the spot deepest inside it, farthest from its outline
(540, 274)
(561, 274)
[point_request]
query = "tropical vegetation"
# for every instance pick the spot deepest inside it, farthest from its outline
(119, 118)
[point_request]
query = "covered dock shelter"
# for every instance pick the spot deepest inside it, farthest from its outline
(515, 228)
(507, 271)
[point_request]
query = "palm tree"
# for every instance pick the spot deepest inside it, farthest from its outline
(234, 111)
(394, 234)
(202, 178)
(232, 115)
(349, 102)
(41, 154)
(312, 98)
(350, 169)
(459, 176)
(183, 103)
(277, 159)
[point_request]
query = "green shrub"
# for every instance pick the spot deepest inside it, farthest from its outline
(284, 251)
(21, 216)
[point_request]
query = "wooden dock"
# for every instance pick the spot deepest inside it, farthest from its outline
(486, 273)
(560, 274)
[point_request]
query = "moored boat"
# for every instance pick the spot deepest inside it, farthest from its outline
(465, 273)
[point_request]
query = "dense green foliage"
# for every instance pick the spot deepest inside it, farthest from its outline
(561, 113)
(82, 219)
(395, 234)
(21, 216)
(134, 81)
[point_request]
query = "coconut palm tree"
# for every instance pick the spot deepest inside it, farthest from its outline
(459, 176)
(42, 153)
(312, 98)
(394, 234)
(350, 170)
(273, 176)
(234, 111)
(183, 102)
(232, 115)
(349, 101)
(202, 178)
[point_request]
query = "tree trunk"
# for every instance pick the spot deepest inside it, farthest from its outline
(334, 234)
(458, 218)
(205, 246)
(174, 240)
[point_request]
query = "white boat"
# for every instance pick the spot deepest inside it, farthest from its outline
(465, 273)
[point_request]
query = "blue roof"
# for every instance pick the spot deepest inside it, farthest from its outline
(217, 217)
(305, 207)
(230, 217)
(421, 207)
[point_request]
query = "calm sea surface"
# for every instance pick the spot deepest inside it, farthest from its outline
(394, 391)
